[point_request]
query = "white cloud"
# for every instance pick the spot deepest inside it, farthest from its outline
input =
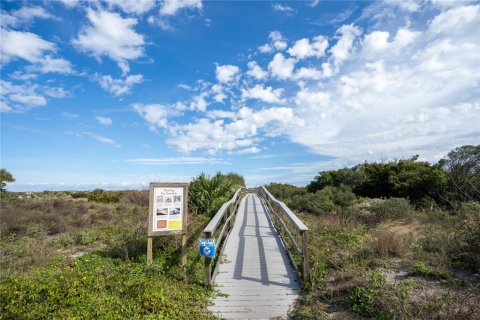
(264, 94)
(4, 107)
(235, 135)
(32, 48)
(55, 92)
(282, 8)
(134, 6)
(308, 73)
(423, 99)
(19, 75)
(23, 15)
(23, 45)
(226, 73)
(457, 21)
(171, 7)
(99, 138)
(199, 103)
(221, 114)
(28, 99)
(156, 115)
(219, 95)
(70, 3)
(247, 151)
(119, 87)
(255, 71)
(342, 50)
(266, 48)
(70, 115)
(281, 67)
(106, 121)
(20, 98)
(50, 64)
(177, 161)
(111, 35)
(304, 49)
(278, 41)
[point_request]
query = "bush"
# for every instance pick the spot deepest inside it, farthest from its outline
(465, 247)
(285, 192)
(314, 203)
(378, 210)
(207, 194)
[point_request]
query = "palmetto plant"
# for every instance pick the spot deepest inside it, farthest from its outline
(208, 193)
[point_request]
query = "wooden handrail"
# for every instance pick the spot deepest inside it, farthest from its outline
(295, 221)
(299, 225)
(223, 216)
(213, 224)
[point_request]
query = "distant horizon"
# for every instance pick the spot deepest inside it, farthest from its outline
(118, 94)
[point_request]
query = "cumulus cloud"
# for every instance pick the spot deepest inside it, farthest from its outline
(106, 121)
(32, 48)
(422, 101)
(23, 15)
(282, 8)
(304, 49)
(281, 67)
(133, 6)
(255, 71)
(119, 87)
(20, 97)
(342, 50)
(111, 35)
(171, 7)
(240, 133)
(267, 94)
(156, 115)
(277, 42)
(226, 73)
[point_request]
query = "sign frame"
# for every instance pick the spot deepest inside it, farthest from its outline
(153, 186)
(157, 233)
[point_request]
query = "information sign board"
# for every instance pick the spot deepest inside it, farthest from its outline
(168, 208)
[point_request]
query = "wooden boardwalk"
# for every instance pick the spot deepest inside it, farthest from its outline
(255, 277)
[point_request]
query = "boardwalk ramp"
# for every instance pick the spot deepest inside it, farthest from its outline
(255, 278)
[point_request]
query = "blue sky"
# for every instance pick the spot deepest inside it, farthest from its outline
(116, 94)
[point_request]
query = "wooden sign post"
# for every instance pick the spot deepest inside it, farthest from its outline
(167, 214)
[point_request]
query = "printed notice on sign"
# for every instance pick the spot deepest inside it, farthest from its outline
(168, 208)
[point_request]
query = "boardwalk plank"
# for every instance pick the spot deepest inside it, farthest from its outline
(255, 274)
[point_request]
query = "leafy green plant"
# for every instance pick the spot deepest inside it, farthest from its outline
(208, 193)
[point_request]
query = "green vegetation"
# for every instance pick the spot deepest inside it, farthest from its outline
(207, 194)
(82, 254)
(392, 240)
(5, 177)
(66, 257)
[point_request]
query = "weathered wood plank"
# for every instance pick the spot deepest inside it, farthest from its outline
(255, 273)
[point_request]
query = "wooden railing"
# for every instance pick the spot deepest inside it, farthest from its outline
(291, 229)
(225, 218)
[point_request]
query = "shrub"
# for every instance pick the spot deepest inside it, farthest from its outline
(465, 247)
(285, 192)
(207, 194)
(386, 243)
(314, 203)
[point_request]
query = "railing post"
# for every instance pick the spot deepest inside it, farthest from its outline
(305, 256)
(208, 265)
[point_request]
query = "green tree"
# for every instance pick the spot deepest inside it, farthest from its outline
(463, 168)
(351, 177)
(5, 177)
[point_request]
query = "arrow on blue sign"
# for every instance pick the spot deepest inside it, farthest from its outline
(207, 247)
